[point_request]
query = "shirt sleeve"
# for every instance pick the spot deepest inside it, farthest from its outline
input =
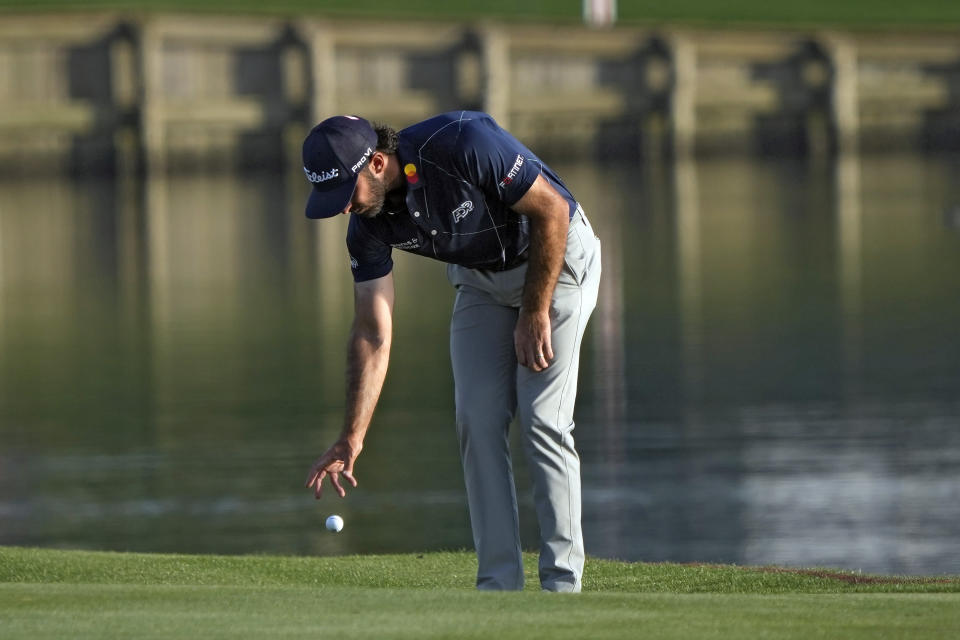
(370, 257)
(497, 162)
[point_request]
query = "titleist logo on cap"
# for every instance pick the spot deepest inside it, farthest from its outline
(323, 176)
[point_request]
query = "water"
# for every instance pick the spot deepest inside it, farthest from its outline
(772, 374)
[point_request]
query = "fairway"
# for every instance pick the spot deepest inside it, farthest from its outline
(108, 611)
(109, 595)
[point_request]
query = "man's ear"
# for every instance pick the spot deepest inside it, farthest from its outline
(377, 162)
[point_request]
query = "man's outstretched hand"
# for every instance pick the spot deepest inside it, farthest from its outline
(336, 461)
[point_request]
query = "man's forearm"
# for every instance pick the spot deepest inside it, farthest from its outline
(367, 360)
(548, 242)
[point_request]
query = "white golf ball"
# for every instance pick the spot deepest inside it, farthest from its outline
(335, 524)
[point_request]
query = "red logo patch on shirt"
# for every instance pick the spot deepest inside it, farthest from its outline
(514, 170)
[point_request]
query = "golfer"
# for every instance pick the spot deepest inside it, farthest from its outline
(526, 266)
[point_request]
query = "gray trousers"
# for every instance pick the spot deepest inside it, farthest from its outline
(491, 388)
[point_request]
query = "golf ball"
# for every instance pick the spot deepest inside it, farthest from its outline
(334, 523)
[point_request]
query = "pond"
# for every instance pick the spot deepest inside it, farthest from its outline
(772, 375)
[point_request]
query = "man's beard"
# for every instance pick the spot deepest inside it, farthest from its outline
(378, 193)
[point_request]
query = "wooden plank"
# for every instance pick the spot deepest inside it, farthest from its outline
(62, 28)
(221, 31)
(845, 92)
(496, 65)
(390, 35)
(928, 48)
(323, 61)
(929, 95)
(889, 120)
(408, 107)
(246, 113)
(151, 72)
(683, 112)
(744, 45)
(747, 98)
(599, 102)
(609, 43)
(74, 117)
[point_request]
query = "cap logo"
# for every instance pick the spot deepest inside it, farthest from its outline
(323, 176)
(362, 161)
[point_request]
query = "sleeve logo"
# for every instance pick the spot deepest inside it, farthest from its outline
(514, 170)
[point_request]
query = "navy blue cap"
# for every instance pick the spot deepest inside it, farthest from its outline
(334, 152)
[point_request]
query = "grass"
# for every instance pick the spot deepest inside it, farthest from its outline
(850, 13)
(47, 593)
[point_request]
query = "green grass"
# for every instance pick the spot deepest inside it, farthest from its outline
(850, 13)
(52, 594)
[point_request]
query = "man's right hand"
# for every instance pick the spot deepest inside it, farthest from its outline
(368, 352)
(336, 460)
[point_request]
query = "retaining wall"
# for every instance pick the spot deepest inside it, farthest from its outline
(113, 92)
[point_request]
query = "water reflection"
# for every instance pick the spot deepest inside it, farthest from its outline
(771, 375)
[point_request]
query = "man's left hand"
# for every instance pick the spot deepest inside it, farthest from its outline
(531, 338)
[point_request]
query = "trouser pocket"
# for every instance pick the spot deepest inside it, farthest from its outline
(580, 241)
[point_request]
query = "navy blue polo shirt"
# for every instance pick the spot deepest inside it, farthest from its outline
(462, 173)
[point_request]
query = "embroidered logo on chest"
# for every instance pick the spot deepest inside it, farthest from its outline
(461, 212)
(412, 243)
